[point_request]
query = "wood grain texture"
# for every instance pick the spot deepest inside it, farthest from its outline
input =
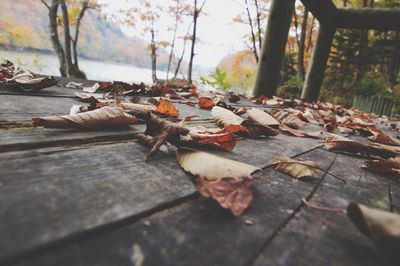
(314, 237)
(197, 232)
(50, 194)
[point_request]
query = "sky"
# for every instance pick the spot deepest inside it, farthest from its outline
(218, 34)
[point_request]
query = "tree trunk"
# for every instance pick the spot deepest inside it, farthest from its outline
(310, 34)
(258, 24)
(77, 29)
(194, 36)
(174, 38)
(183, 53)
(53, 10)
(253, 36)
(300, 59)
(67, 38)
(316, 69)
(273, 48)
(395, 60)
(153, 56)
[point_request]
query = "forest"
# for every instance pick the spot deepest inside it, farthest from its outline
(361, 62)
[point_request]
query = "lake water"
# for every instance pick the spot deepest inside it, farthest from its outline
(94, 70)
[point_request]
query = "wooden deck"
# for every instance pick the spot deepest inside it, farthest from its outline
(69, 197)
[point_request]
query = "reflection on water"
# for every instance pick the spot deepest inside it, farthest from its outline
(94, 70)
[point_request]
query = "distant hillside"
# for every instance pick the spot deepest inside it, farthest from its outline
(24, 24)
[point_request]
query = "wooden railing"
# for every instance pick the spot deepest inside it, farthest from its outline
(375, 104)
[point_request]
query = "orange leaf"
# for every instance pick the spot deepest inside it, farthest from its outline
(226, 141)
(167, 108)
(205, 102)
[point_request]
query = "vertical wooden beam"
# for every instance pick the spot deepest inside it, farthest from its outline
(273, 48)
(316, 69)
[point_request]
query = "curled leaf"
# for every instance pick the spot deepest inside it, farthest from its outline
(382, 137)
(162, 131)
(388, 166)
(212, 137)
(254, 127)
(105, 117)
(136, 109)
(226, 181)
(300, 133)
(382, 227)
(296, 168)
(339, 143)
(224, 117)
(262, 118)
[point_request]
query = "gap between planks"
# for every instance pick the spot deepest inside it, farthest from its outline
(271, 238)
(114, 225)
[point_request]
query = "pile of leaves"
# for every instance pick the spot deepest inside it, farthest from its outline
(227, 181)
(22, 79)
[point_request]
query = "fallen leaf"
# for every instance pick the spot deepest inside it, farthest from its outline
(339, 143)
(289, 117)
(388, 166)
(382, 137)
(227, 118)
(92, 89)
(106, 117)
(206, 102)
(224, 117)
(382, 227)
(23, 79)
(262, 118)
(227, 181)
(296, 168)
(213, 137)
(300, 133)
(136, 109)
(167, 108)
(162, 131)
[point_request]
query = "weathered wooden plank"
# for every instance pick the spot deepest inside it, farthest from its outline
(17, 108)
(54, 91)
(197, 232)
(262, 152)
(322, 238)
(34, 138)
(49, 194)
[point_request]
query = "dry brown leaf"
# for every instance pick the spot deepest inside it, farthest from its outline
(167, 108)
(99, 118)
(162, 131)
(227, 118)
(224, 117)
(382, 227)
(382, 137)
(135, 109)
(206, 102)
(388, 166)
(262, 118)
(289, 117)
(339, 143)
(296, 168)
(225, 180)
(208, 136)
(300, 133)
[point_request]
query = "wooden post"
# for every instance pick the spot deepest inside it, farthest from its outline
(273, 48)
(316, 69)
